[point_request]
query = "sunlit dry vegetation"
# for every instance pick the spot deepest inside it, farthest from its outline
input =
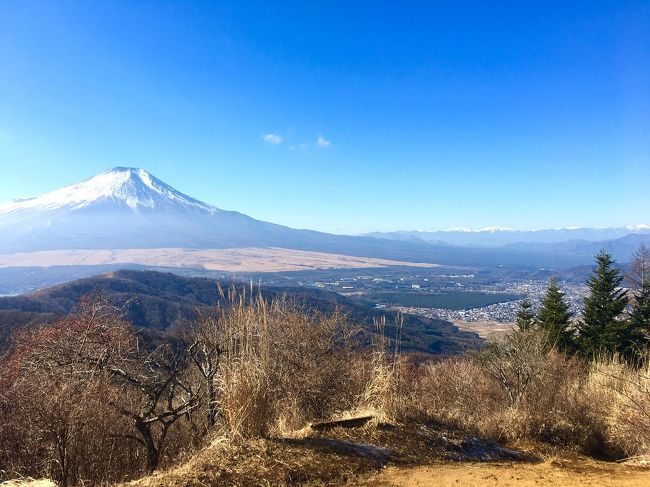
(515, 393)
(87, 399)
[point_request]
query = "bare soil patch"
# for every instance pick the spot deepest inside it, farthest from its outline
(552, 473)
(388, 455)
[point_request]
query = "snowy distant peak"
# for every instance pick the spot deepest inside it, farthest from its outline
(632, 228)
(471, 230)
(122, 186)
(495, 236)
(640, 226)
(497, 229)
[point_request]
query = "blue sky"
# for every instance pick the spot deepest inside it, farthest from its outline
(429, 114)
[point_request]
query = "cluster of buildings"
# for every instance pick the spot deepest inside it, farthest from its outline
(410, 280)
(505, 312)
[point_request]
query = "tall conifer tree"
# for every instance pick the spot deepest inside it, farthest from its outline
(525, 316)
(554, 316)
(602, 330)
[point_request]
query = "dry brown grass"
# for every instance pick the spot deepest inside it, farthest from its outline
(284, 367)
(245, 388)
(623, 394)
(262, 462)
(525, 392)
(28, 482)
(274, 369)
(332, 457)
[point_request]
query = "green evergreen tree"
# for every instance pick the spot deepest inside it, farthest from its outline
(602, 330)
(554, 317)
(525, 316)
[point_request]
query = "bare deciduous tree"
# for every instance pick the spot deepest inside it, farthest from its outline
(516, 360)
(96, 345)
(207, 342)
(640, 270)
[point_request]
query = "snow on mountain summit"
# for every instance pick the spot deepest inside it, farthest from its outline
(120, 186)
(128, 208)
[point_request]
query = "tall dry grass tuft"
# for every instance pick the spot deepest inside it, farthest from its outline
(282, 366)
(244, 384)
(385, 393)
(623, 394)
(243, 379)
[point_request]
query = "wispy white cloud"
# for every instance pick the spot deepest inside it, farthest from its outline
(322, 141)
(273, 139)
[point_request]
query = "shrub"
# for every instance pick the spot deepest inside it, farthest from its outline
(519, 389)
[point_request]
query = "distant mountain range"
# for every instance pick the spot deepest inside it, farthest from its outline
(494, 236)
(128, 208)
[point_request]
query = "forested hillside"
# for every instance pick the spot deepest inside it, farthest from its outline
(164, 302)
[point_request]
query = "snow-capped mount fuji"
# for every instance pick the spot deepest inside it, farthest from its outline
(125, 187)
(128, 208)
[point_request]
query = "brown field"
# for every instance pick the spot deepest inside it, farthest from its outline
(484, 329)
(248, 259)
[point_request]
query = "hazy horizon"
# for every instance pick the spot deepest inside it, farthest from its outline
(493, 228)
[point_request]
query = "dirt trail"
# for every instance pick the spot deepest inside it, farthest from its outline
(593, 474)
